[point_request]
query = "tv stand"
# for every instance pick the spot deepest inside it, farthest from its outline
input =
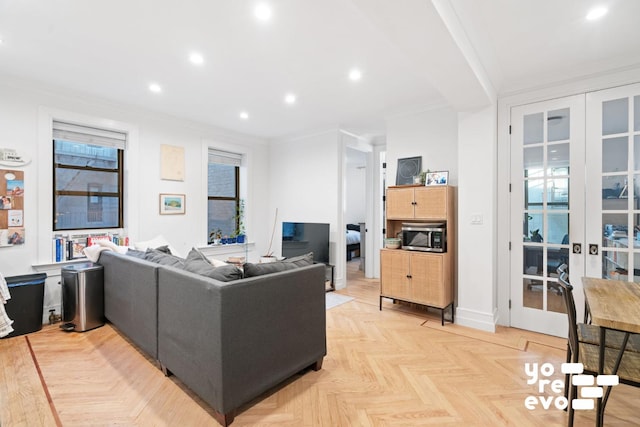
(329, 278)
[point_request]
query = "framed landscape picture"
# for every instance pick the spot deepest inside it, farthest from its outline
(172, 204)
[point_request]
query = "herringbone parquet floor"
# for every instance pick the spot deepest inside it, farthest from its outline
(395, 367)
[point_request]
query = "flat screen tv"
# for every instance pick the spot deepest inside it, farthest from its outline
(299, 238)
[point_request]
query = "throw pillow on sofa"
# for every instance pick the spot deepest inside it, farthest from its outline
(252, 270)
(156, 242)
(300, 260)
(163, 258)
(225, 273)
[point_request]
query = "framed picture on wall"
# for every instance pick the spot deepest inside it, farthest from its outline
(437, 178)
(172, 204)
(407, 169)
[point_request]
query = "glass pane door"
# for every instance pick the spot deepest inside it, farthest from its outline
(547, 145)
(613, 162)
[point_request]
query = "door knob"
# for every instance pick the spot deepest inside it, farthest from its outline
(593, 249)
(577, 248)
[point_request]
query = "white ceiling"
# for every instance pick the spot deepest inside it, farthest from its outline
(414, 54)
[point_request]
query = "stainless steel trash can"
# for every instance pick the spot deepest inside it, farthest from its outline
(82, 297)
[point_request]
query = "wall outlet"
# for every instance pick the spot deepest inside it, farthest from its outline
(476, 219)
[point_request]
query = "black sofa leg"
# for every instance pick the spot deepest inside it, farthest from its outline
(165, 370)
(317, 365)
(224, 419)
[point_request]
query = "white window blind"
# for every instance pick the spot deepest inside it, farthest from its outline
(225, 157)
(89, 135)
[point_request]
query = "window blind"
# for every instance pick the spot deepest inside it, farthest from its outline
(225, 157)
(89, 135)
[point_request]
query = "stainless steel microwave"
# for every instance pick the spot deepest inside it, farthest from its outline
(427, 237)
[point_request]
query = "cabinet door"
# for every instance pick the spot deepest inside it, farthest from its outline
(394, 267)
(431, 202)
(427, 280)
(400, 203)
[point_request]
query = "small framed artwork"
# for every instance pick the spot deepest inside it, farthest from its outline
(407, 169)
(172, 204)
(437, 178)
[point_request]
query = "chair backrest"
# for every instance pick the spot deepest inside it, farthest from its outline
(567, 294)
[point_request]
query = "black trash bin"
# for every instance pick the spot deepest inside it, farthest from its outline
(26, 304)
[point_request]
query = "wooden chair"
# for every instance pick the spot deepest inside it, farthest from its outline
(626, 365)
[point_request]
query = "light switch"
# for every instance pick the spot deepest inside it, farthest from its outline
(476, 219)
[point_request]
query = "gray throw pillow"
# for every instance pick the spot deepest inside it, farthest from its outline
(251, 270)
(225, 273)
(136, 253)
(195, 254)
(162, 258)
(300, 260)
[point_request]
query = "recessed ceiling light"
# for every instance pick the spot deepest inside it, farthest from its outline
(597, 13)
(155, 87)
(244, 115)
(262, 11)
(290, 98)
(355, 74)
(196, 58)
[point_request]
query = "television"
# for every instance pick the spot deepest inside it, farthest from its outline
(299, 238)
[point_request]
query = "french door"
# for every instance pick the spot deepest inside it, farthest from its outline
(575, 165)
(613, 165)
(547, 209)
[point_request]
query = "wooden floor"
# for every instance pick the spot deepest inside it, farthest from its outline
(395, 367)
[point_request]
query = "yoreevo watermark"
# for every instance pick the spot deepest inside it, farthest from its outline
(551, 391)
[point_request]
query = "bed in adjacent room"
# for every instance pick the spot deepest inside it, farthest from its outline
(353, 241)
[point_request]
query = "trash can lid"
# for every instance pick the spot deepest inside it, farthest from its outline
(26, 279)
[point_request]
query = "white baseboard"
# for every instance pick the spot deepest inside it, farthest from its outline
(476, 319)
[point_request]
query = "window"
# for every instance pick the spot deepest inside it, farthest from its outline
(223, 193)
(87, 177)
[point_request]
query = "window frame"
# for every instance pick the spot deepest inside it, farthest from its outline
(88, 193)
(235, 199)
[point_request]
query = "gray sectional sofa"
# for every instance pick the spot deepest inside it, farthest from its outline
(230, 341)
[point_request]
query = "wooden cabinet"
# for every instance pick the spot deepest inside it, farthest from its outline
(417, 277)
(422, 203)
(425, 278)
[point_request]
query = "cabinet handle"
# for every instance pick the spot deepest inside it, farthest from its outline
(414, 203)
(409, 276)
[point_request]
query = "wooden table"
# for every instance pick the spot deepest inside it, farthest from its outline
(615, 305)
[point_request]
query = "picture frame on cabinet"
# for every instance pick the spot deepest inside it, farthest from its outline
(172, 204)
(408, 168)
(437, 178)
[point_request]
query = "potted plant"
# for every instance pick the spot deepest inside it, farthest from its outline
(240, 231)
(215, 236)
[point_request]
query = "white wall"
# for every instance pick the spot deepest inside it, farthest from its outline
(306, 186)
(431, 134)
(23, 110)
(477, 195)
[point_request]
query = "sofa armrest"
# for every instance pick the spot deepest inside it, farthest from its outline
(230, 342)
(131, 298)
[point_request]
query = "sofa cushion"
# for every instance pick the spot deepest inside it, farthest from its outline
(203, 267)
(136, 253)
(156, 242)
(251, 270)
(162, 258)
(195, 253)
(300, 260)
